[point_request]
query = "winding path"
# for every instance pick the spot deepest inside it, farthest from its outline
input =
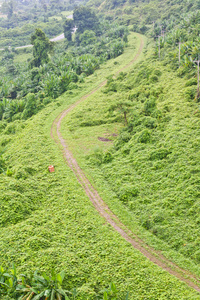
(55, 39)
(104, 210)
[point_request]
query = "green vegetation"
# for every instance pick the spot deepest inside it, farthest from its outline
(85, 19)
(21, 18)
(48, 223)
(41, 48)
(33, 287)
(68, 27)
(151, 169)
(42, 286)
(136, 138)
(46, 77)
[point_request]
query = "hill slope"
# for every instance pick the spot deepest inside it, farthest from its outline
(48, 222)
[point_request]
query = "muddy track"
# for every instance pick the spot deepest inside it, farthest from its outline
(153, 255)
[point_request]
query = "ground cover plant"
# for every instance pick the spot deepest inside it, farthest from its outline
(150, 166)
(47, 222)
(133, 143)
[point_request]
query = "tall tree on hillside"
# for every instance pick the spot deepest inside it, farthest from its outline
(85, 19)
(41, 48)
(68, 26)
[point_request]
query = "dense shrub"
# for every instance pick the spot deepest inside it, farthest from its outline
(144, 136)
(149, 106)
(123, 138)
(150, 122)
(190, 93)
(108, 157)
(159, 154)
(127, 192)
(153, 78)
(191, 82)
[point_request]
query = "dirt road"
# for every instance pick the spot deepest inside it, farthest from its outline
(104, 210)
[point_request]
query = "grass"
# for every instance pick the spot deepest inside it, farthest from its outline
(22, 57)
(47, 221)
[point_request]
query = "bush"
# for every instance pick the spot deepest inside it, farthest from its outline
(2, 165)
(190, 82)
(127, 192)
(108, 157)
(156, 91)
(3, 125)
(157, 72)
(30, 106)
(123, 138)
(149, 106)
(146, 222)
(157, 114)
(10, 129)
(190, 93)
(111, 85)
(21, 173)
(9, 172)
(150, 122)
(159, 154)
(144, 136)
(97, 157)
(153, 78)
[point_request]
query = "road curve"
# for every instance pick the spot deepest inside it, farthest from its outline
(104, 210)
(55, 39)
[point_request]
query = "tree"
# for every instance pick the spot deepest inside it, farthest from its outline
(7, 8)
(68, 27)
(87, 38)
(123, 106)
(41, 48)
(85, 19)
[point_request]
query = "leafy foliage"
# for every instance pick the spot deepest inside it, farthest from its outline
(34, 287)
(85, 19)
(68, 26)
(51, 76)
(42, 286)
(153, 170)
(48, 221)
(41, 47)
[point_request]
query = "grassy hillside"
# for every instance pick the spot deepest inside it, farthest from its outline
(47, 222)
(148, 169)
(144, 13)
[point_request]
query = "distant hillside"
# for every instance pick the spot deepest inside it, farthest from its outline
(145, 13)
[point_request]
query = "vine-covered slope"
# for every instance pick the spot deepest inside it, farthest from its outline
(48, 221)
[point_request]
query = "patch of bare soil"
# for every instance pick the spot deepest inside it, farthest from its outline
(153, 255)
(102, 139)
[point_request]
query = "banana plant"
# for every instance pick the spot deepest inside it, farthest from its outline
(111, 293)
(8, 281)
(42, 286)
(3, 286)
